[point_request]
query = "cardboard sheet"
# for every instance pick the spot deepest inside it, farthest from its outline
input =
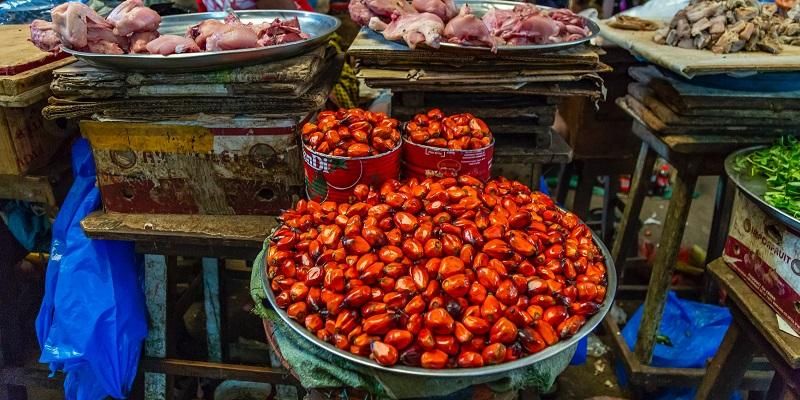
(689, 63)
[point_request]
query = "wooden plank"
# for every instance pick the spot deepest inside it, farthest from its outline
(155, 345)
(508, 149)
(664, 263)
(36, 189)
(647, 377)
(224, 230)
(756, 311)
(18, 54)
(217, 371)
(626, 233)
(728, 366)
(13, 87)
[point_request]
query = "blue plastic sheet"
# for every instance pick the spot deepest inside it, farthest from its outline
(690, 334)
(92, 321)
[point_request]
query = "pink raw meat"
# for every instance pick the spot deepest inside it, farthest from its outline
(172, 44)
(412, 28)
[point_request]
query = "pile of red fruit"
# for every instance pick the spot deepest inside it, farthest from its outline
(352, 133)
(440, 273)
(456, 132)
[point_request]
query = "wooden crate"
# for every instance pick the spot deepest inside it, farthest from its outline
(27, 141)
(176, 168)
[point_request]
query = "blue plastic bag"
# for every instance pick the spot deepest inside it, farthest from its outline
(694, 329)
(92, 321)
(694, 332)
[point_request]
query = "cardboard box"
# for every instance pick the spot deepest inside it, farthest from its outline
(233, 167)
(766, 254)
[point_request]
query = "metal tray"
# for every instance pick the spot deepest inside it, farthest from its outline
(318, 26)
(499, 369)
(480, 7)
(754, 188)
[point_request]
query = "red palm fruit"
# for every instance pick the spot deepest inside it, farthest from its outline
(345, 322)
(543, 300)
(423, 232)
(384, 354)
(394, 237)
(329, 235)
(494, 353)
(469, 359)
(451, 244)
(373, 308)
(450, 266)
(503, 331)
(518, 316)
(456, 286)
(554, 315)
(547, 332)
(461, 333)
(425, 339)
(313, 322)
(334, 304)
(432, 290)
(399, 338)
(390, 254)
(356, 245)
(394, 300)
(298, 311)
(357, 296)
(413, 249)
(439, 321)
(491, 309)
(584, 308)
(570, 326)
(522, 243)
(477, 293)
(537, 286)
(531, 340)
(498, 249)
(434, 359)
(466, 254)
(489, 278)
(378, 324)
(494, 232)
(394, 270)
(447, 344)
(415, 306)
(507, 292)
(420, 277)
(476, 324)
(374, 235)
(341, 342)
(415, 323)
(405, 221)
(405, 284)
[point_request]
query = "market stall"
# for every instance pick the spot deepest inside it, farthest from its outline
(693, 107)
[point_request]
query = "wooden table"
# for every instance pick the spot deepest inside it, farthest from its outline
(691, 156)
(754, 328)
(162, 238)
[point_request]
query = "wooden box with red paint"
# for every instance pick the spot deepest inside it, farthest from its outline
(229, 167)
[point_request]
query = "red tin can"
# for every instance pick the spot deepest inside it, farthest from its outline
(421, 161)
(333, 178)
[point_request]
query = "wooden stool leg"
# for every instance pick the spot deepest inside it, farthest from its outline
(666, 254)
(211, 285)
(583, 193)
(155, 286)
(562, 188)
(626, 234)
(611, 187)
(719, 233)
(728, 366)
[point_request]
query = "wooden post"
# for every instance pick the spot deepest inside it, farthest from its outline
(666, 254)
(211, 285)
(719, 233)
(155, 284)
(11, 334)
(728, 366)
(583, 193)
(610, 189)
(626, 233)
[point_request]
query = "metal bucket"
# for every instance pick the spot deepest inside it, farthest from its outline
(421, 161)
(333, 178)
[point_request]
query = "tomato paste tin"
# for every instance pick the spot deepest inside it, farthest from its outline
(766, 253)
(333, 178)
(421, 161)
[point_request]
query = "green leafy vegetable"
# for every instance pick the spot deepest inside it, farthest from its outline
(780, 165)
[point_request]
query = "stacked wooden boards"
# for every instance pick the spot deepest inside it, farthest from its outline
(293, 86)
(668, 105)
(517, 93)
(27, 141)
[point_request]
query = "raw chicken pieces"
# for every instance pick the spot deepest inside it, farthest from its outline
(523, 25)
(412, 28)
(445, 9)
(202, 31)
(44, 37)
(132, 16)
(172, 44)
(362, 11)
(468, 29)
(133, 28)
(232, 36)
(140, 40)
